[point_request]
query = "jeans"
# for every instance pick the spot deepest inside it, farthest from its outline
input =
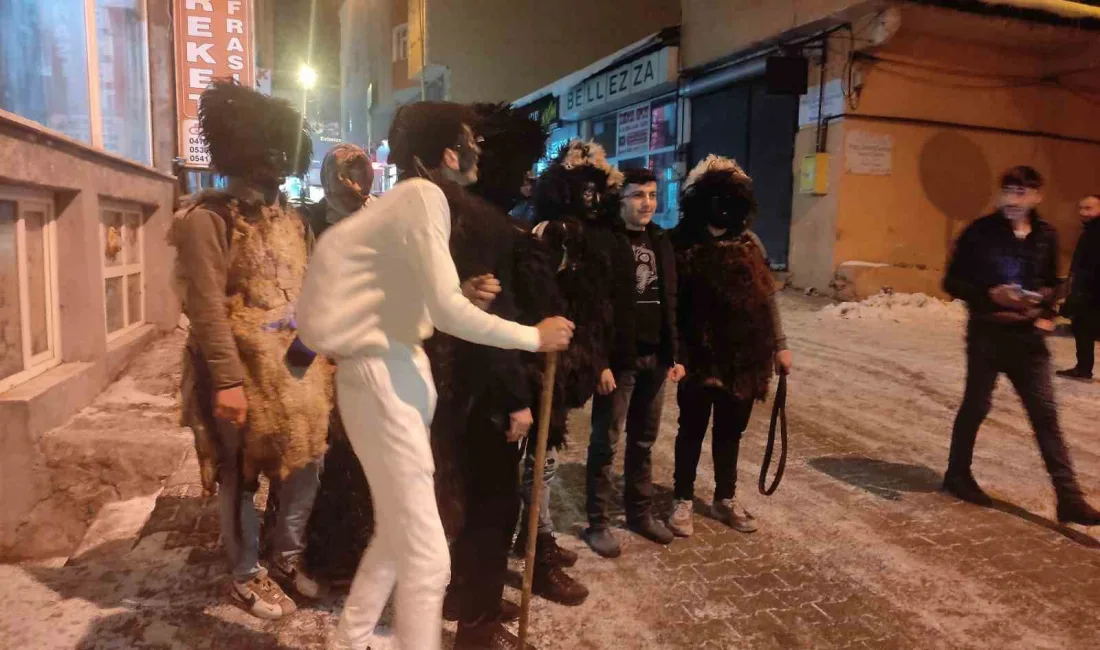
(731, 417)
(546, 523)
(634, 407)
(241, 536)
(387, 404)
(1022, 355)
(480, 553)
(1086, 330)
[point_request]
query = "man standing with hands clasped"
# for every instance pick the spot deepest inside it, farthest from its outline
(1005, 267)
(631, 399)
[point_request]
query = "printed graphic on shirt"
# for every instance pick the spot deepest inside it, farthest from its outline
(645, 270)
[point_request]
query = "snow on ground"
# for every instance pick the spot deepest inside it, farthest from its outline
(898, 307)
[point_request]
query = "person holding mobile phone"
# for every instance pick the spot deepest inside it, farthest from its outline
(1005, 266)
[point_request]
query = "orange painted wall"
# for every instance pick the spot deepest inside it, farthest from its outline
(945, 175)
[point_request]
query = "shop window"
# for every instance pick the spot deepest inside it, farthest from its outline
(662, 132)
(44, 65)
(45, 74)
(123, 269)
(123, 77)
(28, 282)
(668, 188)
(401, 43)
(605, 132)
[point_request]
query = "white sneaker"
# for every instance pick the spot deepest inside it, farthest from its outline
(680, 521)
(262, 598)
(734, 515)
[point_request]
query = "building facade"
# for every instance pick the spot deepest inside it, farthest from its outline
(87, 141)
(923, 105)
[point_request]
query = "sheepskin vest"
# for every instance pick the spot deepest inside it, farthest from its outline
(288, 417)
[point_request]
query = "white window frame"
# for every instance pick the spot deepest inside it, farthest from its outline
(122, 270)
(95, 105)
(400, 43)
(34, 365)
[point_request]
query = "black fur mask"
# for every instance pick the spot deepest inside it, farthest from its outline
(718, 195)
(252, 135)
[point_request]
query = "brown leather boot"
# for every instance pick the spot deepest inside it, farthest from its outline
(547, 550)
(555, 585)
(487, 635)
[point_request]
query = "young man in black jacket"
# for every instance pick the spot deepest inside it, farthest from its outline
(1005, 267)
(1083, 303)
(631, 398)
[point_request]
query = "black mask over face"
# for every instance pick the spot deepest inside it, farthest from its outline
(720, 216)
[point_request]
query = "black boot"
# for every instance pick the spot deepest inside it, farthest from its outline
(487, 635)
(966, 488)
(547, 550)
(1075, 510)
(555, 585)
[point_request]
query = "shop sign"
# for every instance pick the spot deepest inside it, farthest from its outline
(544, 110)
(869, 153)
(618, 83)
(633, 131)
(213, 40)
(810, 104)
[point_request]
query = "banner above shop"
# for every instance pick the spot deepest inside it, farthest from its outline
(545, 110)
(630, 82)
(213, 41)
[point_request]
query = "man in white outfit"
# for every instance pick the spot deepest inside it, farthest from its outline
(377, 284)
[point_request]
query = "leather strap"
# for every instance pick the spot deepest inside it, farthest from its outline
(779, 417)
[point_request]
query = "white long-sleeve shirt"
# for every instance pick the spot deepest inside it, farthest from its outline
(385, 275)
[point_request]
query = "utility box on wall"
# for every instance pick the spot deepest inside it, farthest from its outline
(814, 174)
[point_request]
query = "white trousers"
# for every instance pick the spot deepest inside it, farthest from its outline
(387, 404)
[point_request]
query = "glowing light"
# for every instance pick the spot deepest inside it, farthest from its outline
(307, 76)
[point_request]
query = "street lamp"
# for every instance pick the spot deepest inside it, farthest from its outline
(307, 76)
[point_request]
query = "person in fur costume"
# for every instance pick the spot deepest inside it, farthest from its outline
(576, 202)
(731, 334)
(241, 259)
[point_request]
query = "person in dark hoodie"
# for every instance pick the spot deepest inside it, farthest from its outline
(730, 330)
(1005, 266)
(630, 400)
(1083, 303)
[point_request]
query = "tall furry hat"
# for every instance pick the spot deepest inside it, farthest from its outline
(561, 188)
(243, 127)
(512, 144)
(421, 131)
(718, 185)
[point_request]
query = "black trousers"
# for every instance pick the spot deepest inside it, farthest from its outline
(1021, 354)
(1086, 330)
(731, 417)
(479, 555)
(635, 407)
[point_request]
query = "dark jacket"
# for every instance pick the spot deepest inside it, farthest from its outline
(666, 263)
(988, 254)
(1084, 291)
(483, 240)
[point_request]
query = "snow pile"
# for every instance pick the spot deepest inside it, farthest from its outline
(125, 392)
(898, 307)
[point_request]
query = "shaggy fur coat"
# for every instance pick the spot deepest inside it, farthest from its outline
(288, 417)
(726, 324)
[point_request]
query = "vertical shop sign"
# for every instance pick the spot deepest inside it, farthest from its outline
(214, 39)
(633, 131)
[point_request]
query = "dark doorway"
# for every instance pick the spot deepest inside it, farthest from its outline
(757, 129)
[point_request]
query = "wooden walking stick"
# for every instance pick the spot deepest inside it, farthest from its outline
(545, 402)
